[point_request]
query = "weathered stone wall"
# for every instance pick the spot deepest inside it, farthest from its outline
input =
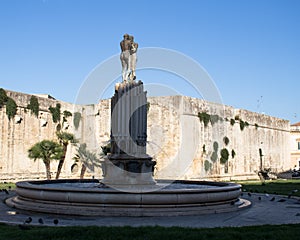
(177, 139)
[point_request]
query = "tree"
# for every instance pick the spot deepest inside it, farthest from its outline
(46, 150)
(89, 160)
(64, 139)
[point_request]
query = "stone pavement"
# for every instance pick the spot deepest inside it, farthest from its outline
(281, 210)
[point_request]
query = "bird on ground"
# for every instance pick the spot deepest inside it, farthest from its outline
(28, 220)
(41, 221)
(55, 221)
(249, 194)
(259, 198)
(272, 199)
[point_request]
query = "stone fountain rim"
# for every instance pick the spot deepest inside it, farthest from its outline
(42, 185)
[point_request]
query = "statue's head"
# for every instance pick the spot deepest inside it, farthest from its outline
(131, 37)
(126, 36)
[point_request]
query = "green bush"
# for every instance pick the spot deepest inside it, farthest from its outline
(224, 156)
(76, 120)
(242, 125)
(204, 117)
(232, 121)
(233, 153)
(207, 165)
(3, 97)
(214, 156)
(55, 111)
(216, 146)
(11, 108)
(34, 105)
(67, 114)
(226, 140)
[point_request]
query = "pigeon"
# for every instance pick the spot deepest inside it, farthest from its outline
(55, 221)
(28, 220)
(232, 203)
(259, 198)
(272, 199)
(267, 195)
(249, 194)
(41, 221)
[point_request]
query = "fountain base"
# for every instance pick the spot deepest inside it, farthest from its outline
(91, 198)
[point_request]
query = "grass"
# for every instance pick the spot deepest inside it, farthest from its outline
(282, 187)
(282, 232)
(5, 185)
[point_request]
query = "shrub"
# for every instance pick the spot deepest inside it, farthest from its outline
(204, 117)
(242, 125)
(34, 105)
(67, 114)
(11, 108)
(224, 156)
(76, 120)
(3, 97)
(215, 146)
(55, 111)
(232, 121)
(226, 140)
(207, 165)
(214, 156)
(233, 153)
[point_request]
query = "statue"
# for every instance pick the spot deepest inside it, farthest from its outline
(128, 57)
(132, 58)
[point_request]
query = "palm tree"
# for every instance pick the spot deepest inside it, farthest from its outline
(64, 139)
(46, 150)
(89, 160)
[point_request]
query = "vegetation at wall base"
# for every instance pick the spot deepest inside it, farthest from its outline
(282, 232)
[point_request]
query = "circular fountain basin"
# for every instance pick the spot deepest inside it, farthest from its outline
(91, 198)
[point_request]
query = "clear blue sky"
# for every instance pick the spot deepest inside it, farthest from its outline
(251, 48)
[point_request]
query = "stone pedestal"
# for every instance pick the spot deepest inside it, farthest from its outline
(128, 162)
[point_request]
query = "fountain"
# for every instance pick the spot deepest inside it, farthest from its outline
(127, 187)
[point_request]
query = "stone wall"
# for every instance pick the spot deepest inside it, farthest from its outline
(181, 144)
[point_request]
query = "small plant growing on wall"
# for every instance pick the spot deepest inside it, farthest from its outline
(148, 106)
(207, 165)
(256, 126)
(76, 119)
(203, 148)
(55, 111)
(214, 156)
(34, 105)
(226, 140)
(232, 121)
(204, 117)
(11, 108)
(233, 153)
(3, 97)
(224, 155)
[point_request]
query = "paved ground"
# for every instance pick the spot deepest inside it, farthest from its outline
(279, 211)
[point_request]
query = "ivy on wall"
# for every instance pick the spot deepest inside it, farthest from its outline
(224, 155)
(76, 119)
(3, 97)
(55, 111)
(207, 118)
(11, 108)
(34, 105)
